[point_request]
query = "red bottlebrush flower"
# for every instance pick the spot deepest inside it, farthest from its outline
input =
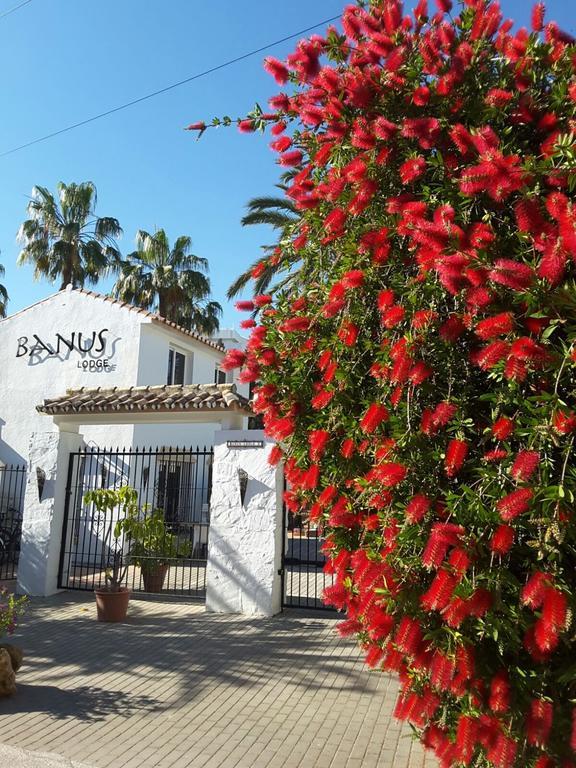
(444, 6)
(275, 455)
(277, 69)
(335, 221)
(385, 300)
(466, 737)
(412, 169)
(455, 456)
(295, 324)
(512, 274)
(419, 373)
(392, 317)
(554, 609)
(442, 670)
(443, 414)
(281, 144)
(452, 329)
(489, 356)
(245, 306)
(496, 97)
(503, 428)
(480, 602)
(291, 159)
(538, 12)
(200, 126)
(495, 326)
(348, 447)
(495, 455)
(564, 423)
(353, 279)
(499, 701)
(503, 753)
(337, 595)
(348, 627)
(234, 358)
(391, 474)
(527, 349)
(348, 333)
(408, 636)
(317, 440)
(417, 508)
(539, 722)
(421, 96)
(534, 589)
(514, 504)
(248, 324)
(525, 465)
(246, 126)
(502, 540)
(373, 417)
(321, 399)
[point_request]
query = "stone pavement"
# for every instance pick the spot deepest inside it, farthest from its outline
(175, 687)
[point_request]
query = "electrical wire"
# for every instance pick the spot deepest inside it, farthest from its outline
(11, 10)
(139, 100)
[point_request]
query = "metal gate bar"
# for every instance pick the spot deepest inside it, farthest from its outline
(12, 487)
(175, 480)
(303, 574)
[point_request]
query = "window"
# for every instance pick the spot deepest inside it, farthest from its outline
(176, 367)
(219, 376)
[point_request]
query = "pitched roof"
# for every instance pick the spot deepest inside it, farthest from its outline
(157, 319)
(154, 317)
(197, 397)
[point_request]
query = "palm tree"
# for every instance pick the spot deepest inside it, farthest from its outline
(281, 214)
(3, 295)
(170, 281)
(65, 240)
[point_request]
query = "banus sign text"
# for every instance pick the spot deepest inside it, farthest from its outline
(90, 346)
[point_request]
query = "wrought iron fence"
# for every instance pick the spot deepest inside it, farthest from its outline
(303, 565)
(174, 481)
(12, 487)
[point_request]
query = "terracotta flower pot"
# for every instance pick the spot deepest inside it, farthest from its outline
(112, 606)
(154, 577)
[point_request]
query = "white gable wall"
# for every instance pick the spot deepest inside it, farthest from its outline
(125, 348)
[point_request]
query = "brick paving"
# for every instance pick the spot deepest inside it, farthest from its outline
(175, 687)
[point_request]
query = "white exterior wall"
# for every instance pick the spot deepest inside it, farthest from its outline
(136, 353)
(245, 542)
(25, 381)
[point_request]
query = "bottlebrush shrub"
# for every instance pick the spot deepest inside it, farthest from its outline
(418, 366)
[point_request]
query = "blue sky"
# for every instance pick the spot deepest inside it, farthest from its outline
(62, 61)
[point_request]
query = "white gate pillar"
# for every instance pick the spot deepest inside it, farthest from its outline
(245, 538)
(44, 505)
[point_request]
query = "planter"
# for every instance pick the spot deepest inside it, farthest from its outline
(153, 577)
(112, 606)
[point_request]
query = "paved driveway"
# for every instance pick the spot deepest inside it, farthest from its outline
(175, 687)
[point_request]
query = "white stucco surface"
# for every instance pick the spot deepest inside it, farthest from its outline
(124, 348)
(44, 511)
(244, 547)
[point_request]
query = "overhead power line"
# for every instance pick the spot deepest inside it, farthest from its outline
(168, 87)
(15, 8)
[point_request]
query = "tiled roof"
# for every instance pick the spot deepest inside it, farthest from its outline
(154, 317)
(197, 397)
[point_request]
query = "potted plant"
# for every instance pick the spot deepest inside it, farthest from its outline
(152, 546)
(112, 599)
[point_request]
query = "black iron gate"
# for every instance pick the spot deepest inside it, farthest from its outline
(303, 574)
(175, 481)
(12, 487)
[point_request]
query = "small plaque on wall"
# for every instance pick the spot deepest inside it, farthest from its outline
(245, 443)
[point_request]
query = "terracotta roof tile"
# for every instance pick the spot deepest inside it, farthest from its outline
(199, 397)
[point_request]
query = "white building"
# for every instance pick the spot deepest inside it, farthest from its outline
(77, 339)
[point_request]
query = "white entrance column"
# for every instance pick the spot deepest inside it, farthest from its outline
(44, 505)
(245, 539)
